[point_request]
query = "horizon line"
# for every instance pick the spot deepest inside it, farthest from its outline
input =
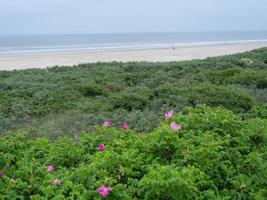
(125, 33)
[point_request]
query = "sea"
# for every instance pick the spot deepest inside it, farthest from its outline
(17, 44)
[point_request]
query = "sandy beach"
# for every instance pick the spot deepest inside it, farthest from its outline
(48, 59)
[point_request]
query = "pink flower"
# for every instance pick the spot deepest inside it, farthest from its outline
(125, 125)
(103, 191)
(107, 123)
(50, 168)
(175, 127)
(168, 115)
(56, 182)
(1, 173)
(101, 147)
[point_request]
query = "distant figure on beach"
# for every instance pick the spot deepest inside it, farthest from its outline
(173, 47)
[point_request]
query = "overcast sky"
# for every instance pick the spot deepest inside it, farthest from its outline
(124, 16)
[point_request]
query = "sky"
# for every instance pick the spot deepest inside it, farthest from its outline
(130, 16)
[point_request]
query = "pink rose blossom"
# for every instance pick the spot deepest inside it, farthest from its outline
(50, 168)
(125, 125)
(168, 115)
(107, 123)
(101, 147)
(103, 191)
(175, 127)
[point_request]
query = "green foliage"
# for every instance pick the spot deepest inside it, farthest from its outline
(92, 90)
(233, 99)
(216, 155)
(66, 100)
(234, 76)
(259, 111)
(129, 101)
(168, 182)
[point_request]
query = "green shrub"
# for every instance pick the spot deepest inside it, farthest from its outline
(168, 182)
(259, 111)
(129, 101)
(232, 99)
(92, 90)
(38, 99)
(218, 77)
(245, 61)
(211, 95)
(234, 76)
(216, 155)
(114, 87)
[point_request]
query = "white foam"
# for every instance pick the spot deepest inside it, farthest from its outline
(117, 46)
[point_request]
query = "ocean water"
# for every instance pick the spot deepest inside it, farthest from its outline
(12, 44)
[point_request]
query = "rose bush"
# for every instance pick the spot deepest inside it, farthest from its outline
(216, 154)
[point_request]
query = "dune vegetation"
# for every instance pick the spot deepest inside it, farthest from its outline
(67, 100)
(211, 153)
(97, 131)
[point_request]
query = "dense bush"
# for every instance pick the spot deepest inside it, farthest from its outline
(66, 100)
(92, 90)
(259, 111)
(234, 99)
(234, 76)
(129, 101)
(216, 155)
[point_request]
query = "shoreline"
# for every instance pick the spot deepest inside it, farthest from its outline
(70, 58)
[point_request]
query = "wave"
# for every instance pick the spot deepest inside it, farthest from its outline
(117, 46)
